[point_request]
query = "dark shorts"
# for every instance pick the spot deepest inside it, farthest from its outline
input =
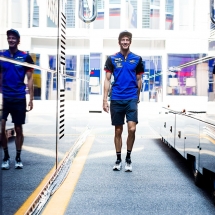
(16, 108)
(121, 108)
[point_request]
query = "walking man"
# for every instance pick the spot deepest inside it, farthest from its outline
(14, 95)
(127, 69)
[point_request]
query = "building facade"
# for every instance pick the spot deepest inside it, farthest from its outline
(166, 33)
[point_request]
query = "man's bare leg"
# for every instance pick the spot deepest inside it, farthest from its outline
(131, 135)
(4, 140)
(19, 142)
(118, 146)
(3, 134)
(19, 137)
(118, 137)
(130, 143)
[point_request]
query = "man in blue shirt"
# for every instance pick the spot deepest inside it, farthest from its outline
(127, 69)
(14, 94)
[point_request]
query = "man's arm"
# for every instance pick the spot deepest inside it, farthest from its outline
(106, 90)
(139, 84)
(29, 74)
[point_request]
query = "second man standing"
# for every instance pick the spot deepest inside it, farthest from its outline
(127, 69)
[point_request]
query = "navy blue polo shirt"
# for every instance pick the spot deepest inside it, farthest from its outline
(125, 85)
(13, 75)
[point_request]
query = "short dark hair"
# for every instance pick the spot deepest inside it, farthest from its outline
(14, 32)
(125, 33)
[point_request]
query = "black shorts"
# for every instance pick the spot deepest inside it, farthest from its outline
(121, 108)
(16, 108)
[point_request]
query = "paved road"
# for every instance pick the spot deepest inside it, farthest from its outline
(159, 184)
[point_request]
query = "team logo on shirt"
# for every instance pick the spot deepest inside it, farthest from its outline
(132, 61)
(118, 62)
(21, 59)
(118, 65)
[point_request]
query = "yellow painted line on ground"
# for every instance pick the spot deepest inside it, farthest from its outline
(26, 205)
(60, 199)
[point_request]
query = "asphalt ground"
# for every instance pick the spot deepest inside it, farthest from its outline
(38, 157)
(160, 183)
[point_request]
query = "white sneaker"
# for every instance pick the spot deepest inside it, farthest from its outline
(18, 164)
(118, 165)
(128, 166)
(5, 164)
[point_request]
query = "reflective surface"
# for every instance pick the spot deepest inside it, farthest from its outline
(191, 131)
(207, 146)
(165, 34)
(42, 149)
(180, 134)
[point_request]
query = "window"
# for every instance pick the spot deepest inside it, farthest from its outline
(151, 14)
(169, 13)
(16, 18)
(70, 80)
(36, 77)
(132, 13)
(146, 14)
(99, 21)
(36, 15)
(29, 13)
(155, 14)
(95, 73)
(100, 4)
(114, 18)
(151, 79)
(114, 1)
(191, 80)
(184, 15)
(211, 78)
(84, 78)
(70, 14)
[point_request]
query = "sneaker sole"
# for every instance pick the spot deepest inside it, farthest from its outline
(128, 170)
(18, 167)
(116, 169)
(5, 168)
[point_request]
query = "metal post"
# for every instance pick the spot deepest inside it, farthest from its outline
(61, 62)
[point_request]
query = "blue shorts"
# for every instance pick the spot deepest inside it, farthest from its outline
(16, 108)
(121, 108)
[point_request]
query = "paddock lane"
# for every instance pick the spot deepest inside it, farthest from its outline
(38, 156)
(160, 183)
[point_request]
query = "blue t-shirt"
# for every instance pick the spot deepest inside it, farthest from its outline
(13, 75)
(125, 85)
